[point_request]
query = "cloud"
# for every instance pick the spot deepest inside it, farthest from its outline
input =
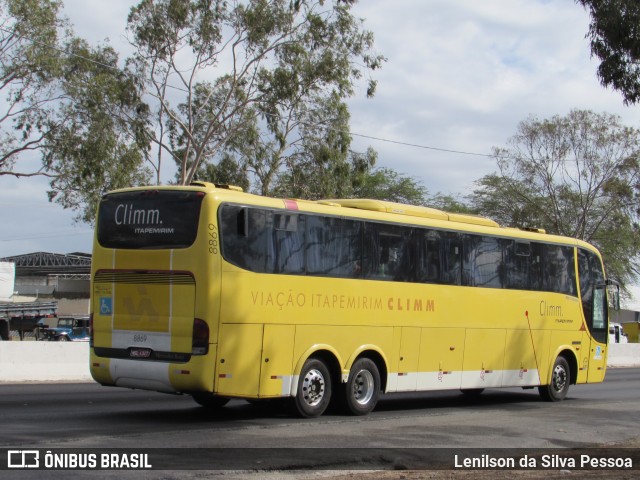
(31, 223)
(462, 74)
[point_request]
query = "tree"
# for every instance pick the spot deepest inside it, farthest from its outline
(387, 184)
(98, 139)
(449, 203)
(318, 161)
(29, 67)
(230, 88)
(577, 176)
(615, 40)
(212, 65)
(70, 113)
(228, 171)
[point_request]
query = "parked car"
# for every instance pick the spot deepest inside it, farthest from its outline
(69, 329)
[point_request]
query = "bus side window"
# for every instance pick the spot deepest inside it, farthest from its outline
(517, 266)
(451, 259)
(483, 263)
(260, 246)
(242, 222)
(387, 252)
(559, 270)
(333, 246)
(428, 246)
(535, 263)
(246, 237)
(289, 240)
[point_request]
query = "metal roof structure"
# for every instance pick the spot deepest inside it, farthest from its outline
(44, 264)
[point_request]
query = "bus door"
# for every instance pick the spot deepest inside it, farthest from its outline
(599, 333)
(595, 309)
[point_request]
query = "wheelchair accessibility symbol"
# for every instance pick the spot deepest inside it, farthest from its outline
(106, 306)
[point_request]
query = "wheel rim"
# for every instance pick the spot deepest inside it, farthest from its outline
(363, 387)
(559, 378)
(313, 386)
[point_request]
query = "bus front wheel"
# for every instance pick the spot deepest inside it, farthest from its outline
(314, 389)
(560, 381)
(363, 387)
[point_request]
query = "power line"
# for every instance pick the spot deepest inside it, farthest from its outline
(414, 145)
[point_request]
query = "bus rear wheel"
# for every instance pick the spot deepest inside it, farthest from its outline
(363, 387)
(210, 401)
(560, 380)
(314, 389)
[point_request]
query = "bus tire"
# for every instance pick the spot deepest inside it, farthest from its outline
(209, 400)
(560, 381)
(314, 389)
(363, 387)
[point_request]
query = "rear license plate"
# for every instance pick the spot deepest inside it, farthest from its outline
(139, 352)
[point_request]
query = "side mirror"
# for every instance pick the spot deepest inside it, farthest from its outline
(613, 290)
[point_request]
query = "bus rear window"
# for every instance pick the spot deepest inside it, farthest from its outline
(149, 219)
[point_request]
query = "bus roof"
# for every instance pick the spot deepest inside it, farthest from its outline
(412, 210)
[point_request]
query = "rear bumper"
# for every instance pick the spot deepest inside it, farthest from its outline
(196, 375)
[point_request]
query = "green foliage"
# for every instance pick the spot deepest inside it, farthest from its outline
(246, 92)
(317, 160)
(354, 177)
(250, 93)
(577, 176)
(317, 178)
(70, 103)
(28, 70)
(615, 40)
(449, 203)
(97, 138)
(240, 79)
(229, 171)
(387, 184)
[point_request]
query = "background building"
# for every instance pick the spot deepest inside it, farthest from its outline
(50, 276)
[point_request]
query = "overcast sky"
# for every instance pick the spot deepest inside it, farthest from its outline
(461, 75)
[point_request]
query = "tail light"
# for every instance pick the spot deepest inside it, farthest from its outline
(91, 329)
(200, 343)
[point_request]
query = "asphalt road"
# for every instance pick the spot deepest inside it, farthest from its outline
(52, 416)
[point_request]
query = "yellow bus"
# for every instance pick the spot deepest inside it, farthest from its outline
(208, 291)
